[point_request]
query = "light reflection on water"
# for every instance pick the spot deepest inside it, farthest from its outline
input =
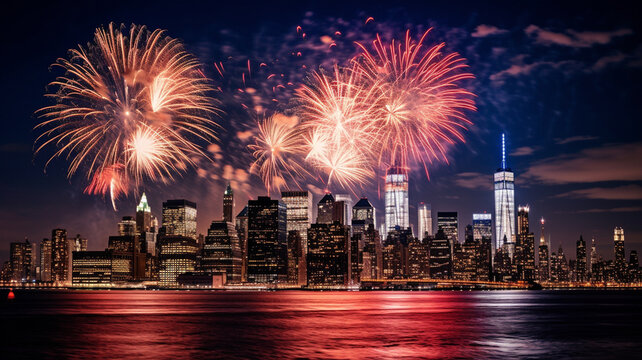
(195, 324)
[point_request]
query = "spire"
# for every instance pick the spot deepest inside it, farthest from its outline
(228, 189)
(143, 205)
(503, 151)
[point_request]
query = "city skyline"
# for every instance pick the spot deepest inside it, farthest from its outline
(553, 149)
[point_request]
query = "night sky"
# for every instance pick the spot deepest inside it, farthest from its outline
(561, 80)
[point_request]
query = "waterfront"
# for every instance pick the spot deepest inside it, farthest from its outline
(204, 324)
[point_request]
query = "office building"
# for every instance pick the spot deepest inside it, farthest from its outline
(524, 257)
(60, 271)
(228, 205)
(396, 199)
(347, 207)
(22, 261)
(544, 265)
(297, 260)
(580, 263)
(325, 209)
(328, 256)
(241, 231)
(45, 260)
(299, 213)
(179, 218)
(267, 241)
(127, 226)
(221, 252)
(176, 255)
(448, 223)
(504, 180)
(620, 255)
(440, 256)
(424, 216)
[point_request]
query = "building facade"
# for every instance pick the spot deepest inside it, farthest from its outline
(504, 181)
(396, 198)
(267, 241)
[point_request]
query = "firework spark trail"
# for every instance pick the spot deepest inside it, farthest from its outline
(278, 149)
(336, 126)
(418, 106)
(128, 108)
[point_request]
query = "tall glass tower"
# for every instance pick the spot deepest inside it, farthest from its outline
(396, 198)
(505, 205)
(424, 216)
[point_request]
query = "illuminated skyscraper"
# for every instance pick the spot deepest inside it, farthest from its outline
(266, 241)
(45, 260)
(144, 217)
(580, 256)
(424, 216)
(620, 255)
(179, 218)
(396, 198)
(325, 208)
(228, 204)
(594, 258)
(22, 260)
(483, 236)
(241, 230)
(176, 255)
(525, 247)
(299, 213)
(347, 207)
(328, 255)
(127, 226)
(505, 205)
(544, 266)
(60, 271)
(363, 215)
(222, 252)
(448, 223)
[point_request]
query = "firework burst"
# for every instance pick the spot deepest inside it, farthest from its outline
(278, 148)
(416, 106)
(128, 108)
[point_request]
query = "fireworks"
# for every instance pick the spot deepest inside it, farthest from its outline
(417, 104)
(277, 150)
(127, 109)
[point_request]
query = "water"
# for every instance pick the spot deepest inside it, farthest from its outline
(169, 324)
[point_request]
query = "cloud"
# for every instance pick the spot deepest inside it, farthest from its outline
(487, 30)
(525, 69)
(619, 162)
(474, 181)
(562, 141)
(244, 135)
(572, 38)
(613, 210)
(524, 151)
(628, 192)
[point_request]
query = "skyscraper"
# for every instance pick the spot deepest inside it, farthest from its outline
(525, 247)
(594, 259)
(45, 260)
(241, 230)
(22, 261)
(448, 223)
(144, 217)
(347, 204)
(505, 205)
(299, 213)
(325, 209)
(266, 241)
(396, 198)
(543, 266)
(176, 255)
(179, 218)
(60, 272)
(440, 256)
(127, 226)
(228, 204)
(424, 216)
(580, 263)
(363, 215)
(328, 255)
(222, 252)
(483, 235)
(620, 255)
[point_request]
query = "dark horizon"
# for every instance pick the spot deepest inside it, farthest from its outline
(562, 81)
